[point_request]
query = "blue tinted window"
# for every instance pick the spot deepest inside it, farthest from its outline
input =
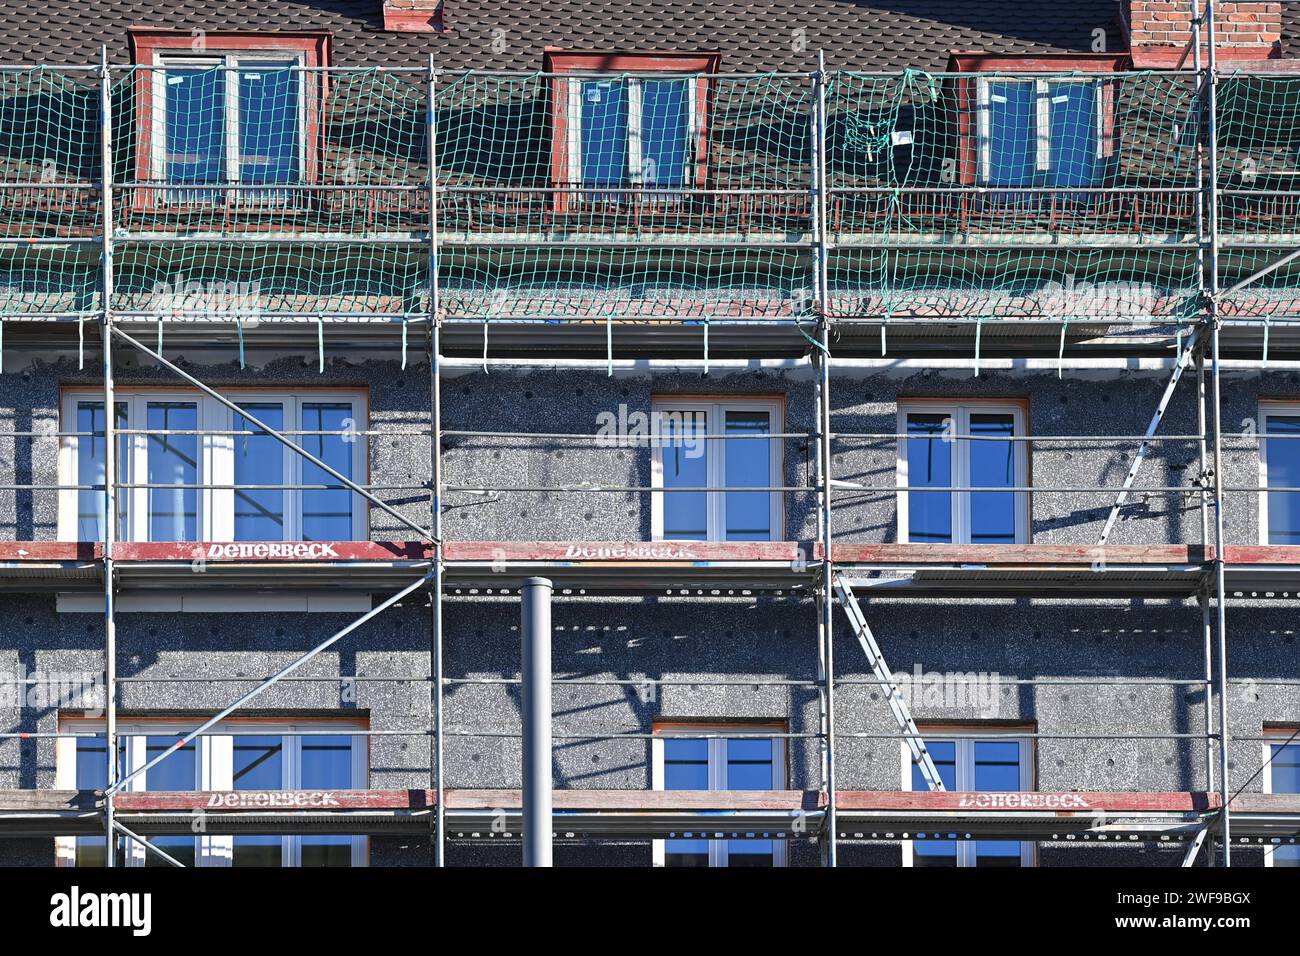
(664, 132)
(992, 465)
(929, 464)
(1074, 134)
(173, 461)
(259, 460)
(685, 465)
(91, 503)
(604, 132)
(1282, 459)
(92, 774)
(326, 765)
(258, 765)
(196, 124)
(937, 852)
(1011, 143)
(268, 123)
(327, 513)
(1285, 770)
(997, 768)
(686, 764)
(177, 772)
(747, 464)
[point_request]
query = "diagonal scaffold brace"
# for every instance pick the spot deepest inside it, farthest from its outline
(261, 426)
(893, 696)
(1181, 365)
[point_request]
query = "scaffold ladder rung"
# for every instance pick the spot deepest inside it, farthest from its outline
(897, 704)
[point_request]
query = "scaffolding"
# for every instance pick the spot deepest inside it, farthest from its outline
(822, 220)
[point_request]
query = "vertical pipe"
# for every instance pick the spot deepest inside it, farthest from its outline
(1202, 598)
(827, 608)
(1212, 140)
(536, 707)
(110, 445)
(435, 483)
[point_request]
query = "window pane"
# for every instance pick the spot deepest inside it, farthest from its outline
(997, 768)
(937, 852)
(664, 132)
(929, 464)
(177, 772)
(1285, 770)
(327, 514)
(327, 765)
(259, 460)
(747, 464)
(173, 460)
(91, 503)
(686, 764)
(685, 465)
(1282, 460)
(686, 767)
(258, 765)
(1074, 134)
(992, 465)
(268, 122)
(196, 122)
(1011, 139)
(749, 767)
(92, 774)
(604, 132)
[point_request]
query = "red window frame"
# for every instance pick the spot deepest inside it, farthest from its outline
(149, 45)
(557, 63)
(967, 97)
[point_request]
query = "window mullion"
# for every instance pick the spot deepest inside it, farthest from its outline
(231, 120)
(961, 524)
(634, 132)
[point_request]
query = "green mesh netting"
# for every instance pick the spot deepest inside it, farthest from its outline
(642, 197)
(624, 196)
(1067, 196)
(1259, 193)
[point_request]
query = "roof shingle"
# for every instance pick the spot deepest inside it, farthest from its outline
(751, 34)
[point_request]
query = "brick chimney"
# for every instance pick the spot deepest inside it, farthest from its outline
(413, 16)
(1239, 25)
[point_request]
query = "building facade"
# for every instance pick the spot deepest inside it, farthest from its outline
(900, 399)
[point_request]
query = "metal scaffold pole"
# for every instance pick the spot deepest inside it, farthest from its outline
(435, 483)
(1210, 99)
(110, 449)
(826, 607)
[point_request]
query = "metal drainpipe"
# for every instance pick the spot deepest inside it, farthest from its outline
(536, 708)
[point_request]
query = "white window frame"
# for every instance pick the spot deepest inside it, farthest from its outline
(965, 762)
(1268, 410)
(216, 512)
(959, 412)
(715, 467)
(214, 770)
(717, 757)
(635, 172)
(1042, 119)
(230, 63)
(1275, 738)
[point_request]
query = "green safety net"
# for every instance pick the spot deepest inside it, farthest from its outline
(1066, 197)
(621, 196)
(1259, 195)
(255, 185)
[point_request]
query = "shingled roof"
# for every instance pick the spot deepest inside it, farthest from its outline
(750, 34)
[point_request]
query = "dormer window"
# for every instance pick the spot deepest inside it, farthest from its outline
(226, 110)
(631, 123)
